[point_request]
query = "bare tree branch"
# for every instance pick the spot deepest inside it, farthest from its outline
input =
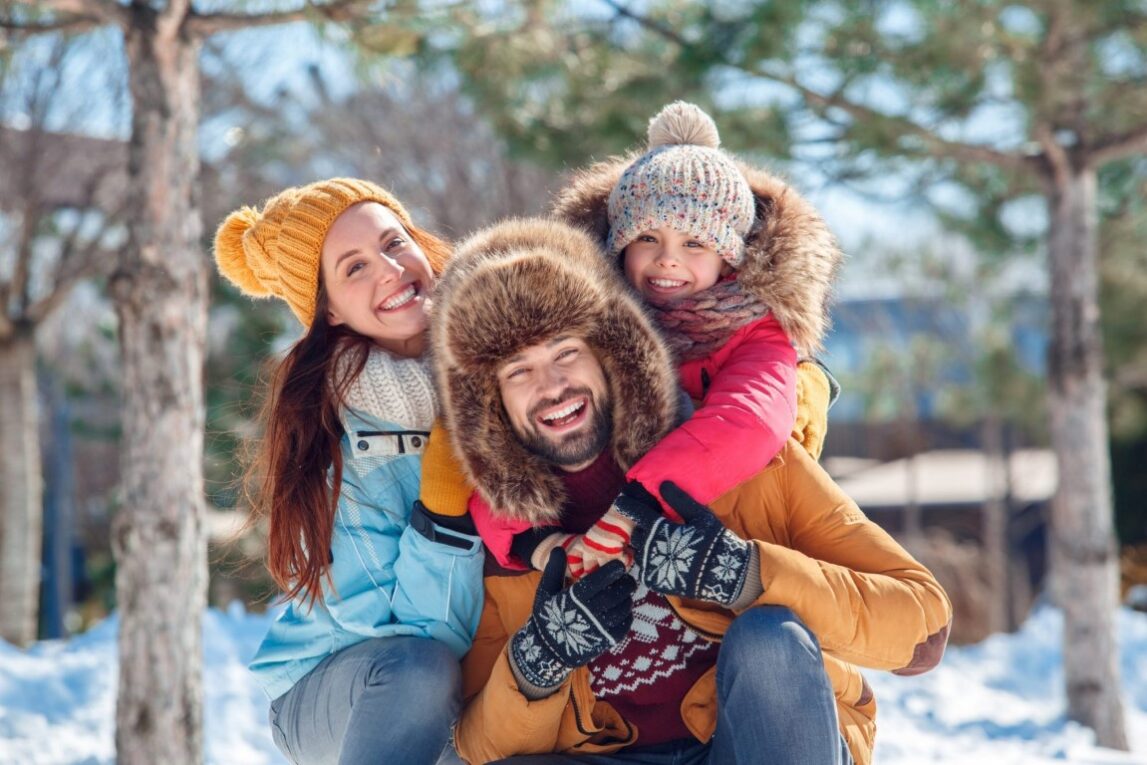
(84, 257)
(43, 164)
(5, 297)
(1056, 155)
(208, 24)
(936, 145)
(73, 24)
(32, 210)
(107, 11)
(1119, 146)
(21, 272)
(40, 310)
(650, 24)
(43, 307)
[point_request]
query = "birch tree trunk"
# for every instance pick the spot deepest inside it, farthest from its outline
(160, 295)
(21, 489)
(1082, 533)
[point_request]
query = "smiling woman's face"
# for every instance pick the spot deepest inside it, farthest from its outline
(377, 279)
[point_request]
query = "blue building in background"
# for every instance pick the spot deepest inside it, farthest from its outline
(865, 329)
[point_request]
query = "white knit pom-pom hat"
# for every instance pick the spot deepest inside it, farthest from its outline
(684, 181)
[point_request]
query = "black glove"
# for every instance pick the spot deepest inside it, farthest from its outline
(572, 627)
(698, 559)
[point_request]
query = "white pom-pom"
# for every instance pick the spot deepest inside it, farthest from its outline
(683, 124)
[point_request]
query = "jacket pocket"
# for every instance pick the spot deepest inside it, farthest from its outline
(699, 707)
(856, 707)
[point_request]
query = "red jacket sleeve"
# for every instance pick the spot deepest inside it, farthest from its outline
(497, 533)
(748, 406)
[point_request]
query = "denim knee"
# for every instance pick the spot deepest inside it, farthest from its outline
(774, 699)
(771, 635)
(425, 670)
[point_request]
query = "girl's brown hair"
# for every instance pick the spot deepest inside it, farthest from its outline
(287, 481)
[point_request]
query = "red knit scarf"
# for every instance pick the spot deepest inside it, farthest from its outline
(696, 326)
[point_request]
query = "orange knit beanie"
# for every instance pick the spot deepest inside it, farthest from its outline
(276, 251)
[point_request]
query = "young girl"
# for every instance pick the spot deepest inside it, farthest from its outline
(736, 269)
(363, 662)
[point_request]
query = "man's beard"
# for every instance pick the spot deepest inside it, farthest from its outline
(573, 448)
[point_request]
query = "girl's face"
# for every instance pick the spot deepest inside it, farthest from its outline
(377, 279)
(665, 264)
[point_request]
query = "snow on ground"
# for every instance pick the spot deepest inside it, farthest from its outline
(1000, 702)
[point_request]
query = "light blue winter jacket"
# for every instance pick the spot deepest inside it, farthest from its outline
(389, 578)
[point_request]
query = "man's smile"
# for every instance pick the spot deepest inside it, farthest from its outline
(565, 416)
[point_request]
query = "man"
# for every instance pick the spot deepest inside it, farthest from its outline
(739, 635)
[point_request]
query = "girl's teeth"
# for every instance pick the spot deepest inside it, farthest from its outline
(666, 283)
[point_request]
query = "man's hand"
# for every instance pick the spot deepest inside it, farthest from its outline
(570, 627)
(697, 559)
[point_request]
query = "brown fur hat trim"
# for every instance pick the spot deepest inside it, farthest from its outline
(516, 284)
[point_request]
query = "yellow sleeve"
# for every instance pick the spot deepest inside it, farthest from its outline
(866, 598)
(813, 392)
(444, 489)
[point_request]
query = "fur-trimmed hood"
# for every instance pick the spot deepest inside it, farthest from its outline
(791, 258)
(523, 282)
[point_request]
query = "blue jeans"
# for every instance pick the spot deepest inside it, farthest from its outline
(775, 704)
(382, 700)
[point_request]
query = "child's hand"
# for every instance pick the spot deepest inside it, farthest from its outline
(541, 554)
(606, 540)
(584, 559)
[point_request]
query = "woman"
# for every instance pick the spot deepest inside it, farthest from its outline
(363, 663)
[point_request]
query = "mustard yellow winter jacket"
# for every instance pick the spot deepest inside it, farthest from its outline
(868, 601)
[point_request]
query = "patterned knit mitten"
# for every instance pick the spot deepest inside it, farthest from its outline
(570, 627)
(699, 559)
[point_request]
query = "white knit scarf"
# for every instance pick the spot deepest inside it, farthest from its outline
(396, 390)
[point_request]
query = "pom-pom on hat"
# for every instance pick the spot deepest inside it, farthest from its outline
(275, 252)
(685, 182)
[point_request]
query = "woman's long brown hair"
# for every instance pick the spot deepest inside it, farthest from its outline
(288, 479)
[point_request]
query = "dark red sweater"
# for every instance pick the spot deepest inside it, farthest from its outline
(646, 675)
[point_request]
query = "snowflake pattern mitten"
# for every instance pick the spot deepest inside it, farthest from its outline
(571, 627)
(698, 559)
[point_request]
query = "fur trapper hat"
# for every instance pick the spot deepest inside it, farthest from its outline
(791, 258)
(511, 286)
